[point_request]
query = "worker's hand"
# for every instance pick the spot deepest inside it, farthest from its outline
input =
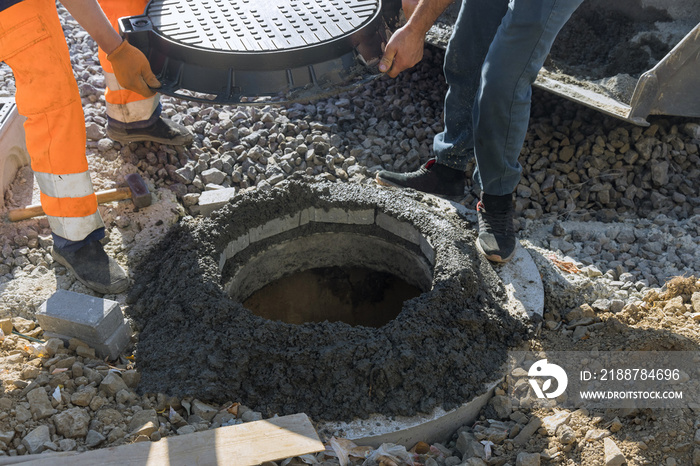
(404, 50)
(409, 6)
(132, 69)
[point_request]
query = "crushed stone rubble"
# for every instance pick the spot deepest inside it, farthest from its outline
(606, 202)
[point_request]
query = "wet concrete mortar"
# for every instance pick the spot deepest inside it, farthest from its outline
(330, 370)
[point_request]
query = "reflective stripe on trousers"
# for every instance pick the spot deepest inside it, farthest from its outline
(124, 105)
(33, 45)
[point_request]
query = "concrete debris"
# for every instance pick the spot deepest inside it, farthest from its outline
(613, 454)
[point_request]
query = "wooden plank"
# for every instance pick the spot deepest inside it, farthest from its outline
(246, 444)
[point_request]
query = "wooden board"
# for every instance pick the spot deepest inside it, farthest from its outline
(246, 444)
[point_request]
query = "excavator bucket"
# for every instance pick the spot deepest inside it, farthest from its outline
(626, 58)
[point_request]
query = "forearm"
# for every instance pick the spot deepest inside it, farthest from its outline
(91, 17)
(425, 14)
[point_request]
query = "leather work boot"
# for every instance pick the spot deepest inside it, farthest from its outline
(433, 178)
(496, 232)
(163, 131)
(94, 268)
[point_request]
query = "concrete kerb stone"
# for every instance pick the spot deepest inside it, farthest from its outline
(98, 322)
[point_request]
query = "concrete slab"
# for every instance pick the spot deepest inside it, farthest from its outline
(523, 284)
(13, 148)
(90, 319)
(407, 431)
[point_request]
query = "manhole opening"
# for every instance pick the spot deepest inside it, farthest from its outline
(314, 269)
(354, 295)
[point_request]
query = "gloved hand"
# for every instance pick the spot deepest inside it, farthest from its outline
(132, 69)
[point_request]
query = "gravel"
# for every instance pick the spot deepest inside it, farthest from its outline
(620, 202)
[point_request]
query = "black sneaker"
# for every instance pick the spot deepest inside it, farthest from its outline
(433, 178)
(163, 131)
(94, 268)
(496, 232)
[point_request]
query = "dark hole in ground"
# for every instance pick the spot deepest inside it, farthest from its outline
(354, 295)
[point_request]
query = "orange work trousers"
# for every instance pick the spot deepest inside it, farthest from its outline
(33, 45)
(124, 105)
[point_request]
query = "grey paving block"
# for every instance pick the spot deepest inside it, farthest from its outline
(209, 201)
(87, 318)
(111, 348)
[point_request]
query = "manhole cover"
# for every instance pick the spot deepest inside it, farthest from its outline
(233, 51)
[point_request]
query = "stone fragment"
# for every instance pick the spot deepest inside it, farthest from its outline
(470, 462)
(23, 325)
(502, 405)
(39, 404)
(143, 417)
(93, 438)
(596, 434)
(115, 435)
(205, 411)
(6, 437)
(695, 301)
(527, 459)
(552, 423)
(85, 352)
(469, 446)
(35, 440)
(146, 429)
(52, 345)
(696, 457)
(615, 425)
(566, 435)
(72, 423)
(527, 431)
(6, 326)
(613, 454)
(188, 429)
(111, 384)
(131, 378)
(67, 444)
(213, 175)
(250, 416)
(83, 396)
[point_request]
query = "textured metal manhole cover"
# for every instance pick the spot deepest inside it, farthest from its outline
(234, 51)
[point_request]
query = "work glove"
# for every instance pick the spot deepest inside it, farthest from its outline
(132, 70)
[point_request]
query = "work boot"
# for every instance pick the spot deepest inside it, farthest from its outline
(433, 178)
(94, 268)
(163, 131)
(496, 232)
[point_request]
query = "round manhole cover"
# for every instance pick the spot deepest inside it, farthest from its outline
(235, 51)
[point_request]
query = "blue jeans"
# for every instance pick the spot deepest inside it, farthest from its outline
(493, 57)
